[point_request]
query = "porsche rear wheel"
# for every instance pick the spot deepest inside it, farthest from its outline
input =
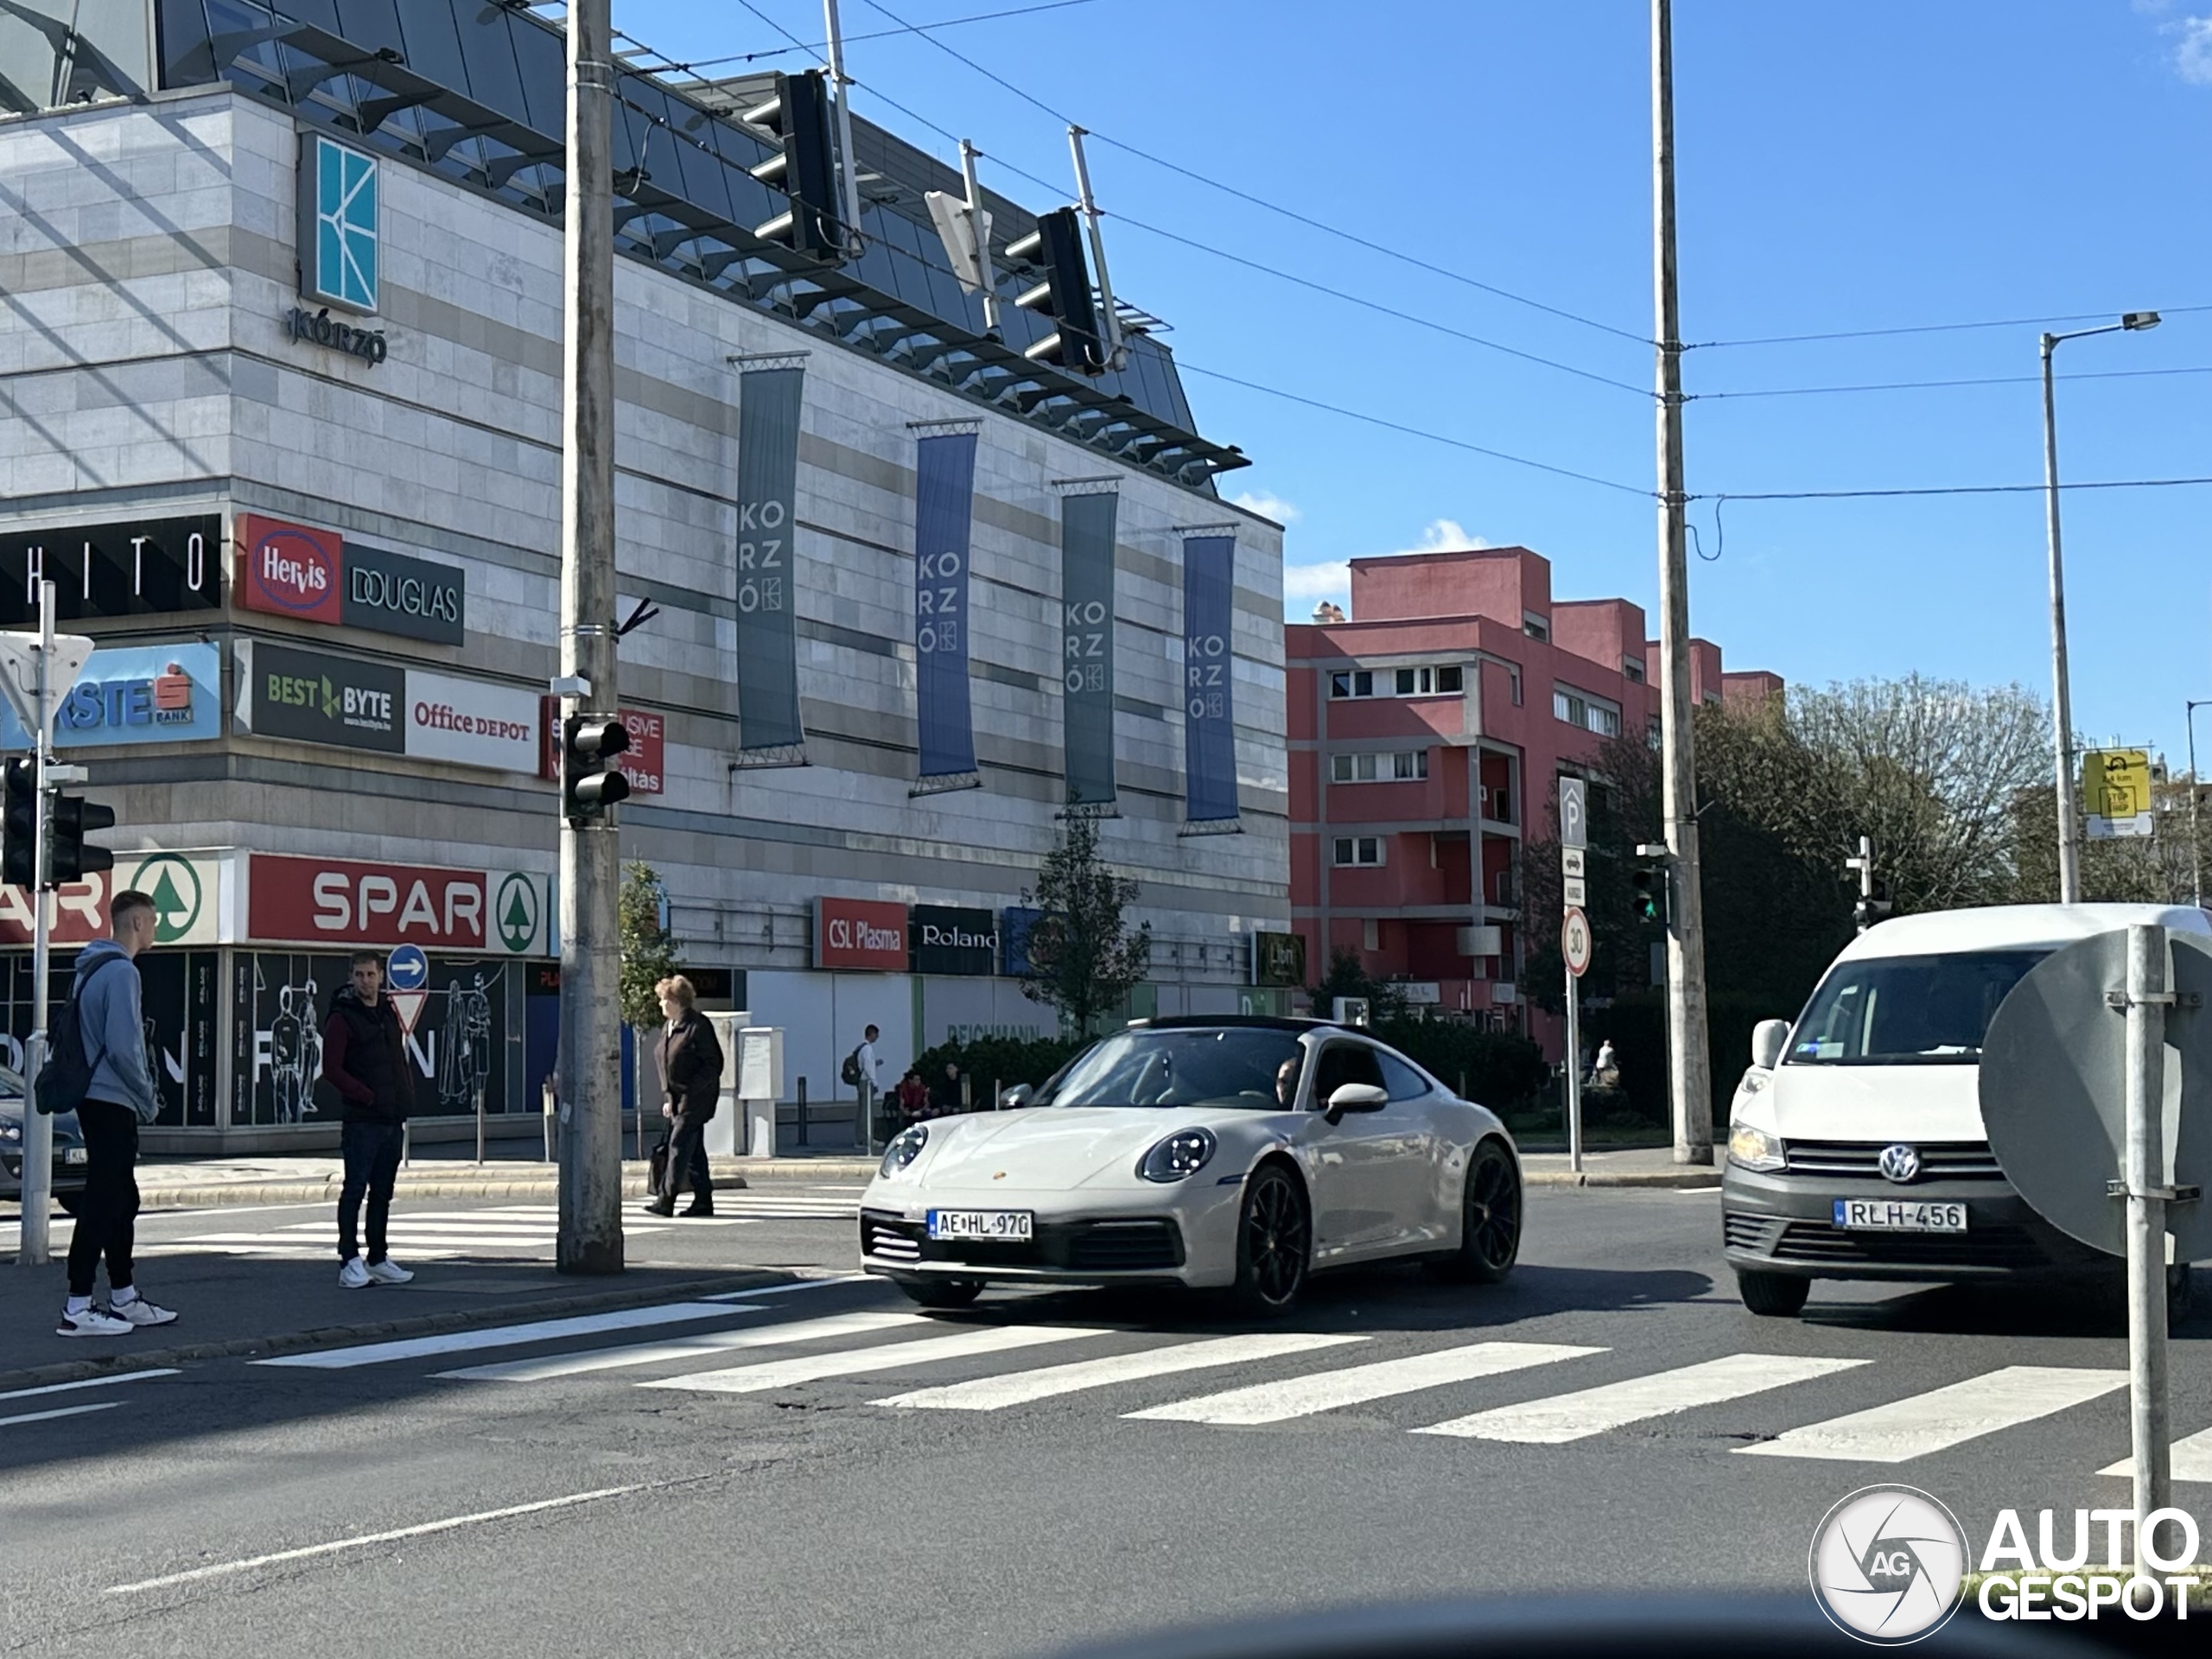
(1274, 1239)
(1490, 1226)
(943, 1292)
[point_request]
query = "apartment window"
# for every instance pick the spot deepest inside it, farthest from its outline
(1633, 668)
(1359, 850)
(1450, 680)
(1513, 680)
(1352, 683)
(1654, 734)
(1446, 681)
(1371, 769)
(1579, 709)
(1536, 627)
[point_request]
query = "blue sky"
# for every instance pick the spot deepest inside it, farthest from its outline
(1890, 164)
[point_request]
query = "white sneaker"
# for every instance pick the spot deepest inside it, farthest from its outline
(91, 1323)
(353, 1276)
(389, 1272)
(139, 1310)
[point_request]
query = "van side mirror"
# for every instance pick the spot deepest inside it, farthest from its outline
(1015, 1098)
(1770, 1038)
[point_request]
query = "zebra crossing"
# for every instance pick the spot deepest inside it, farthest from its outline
(1277, 1379)
(496, 1230)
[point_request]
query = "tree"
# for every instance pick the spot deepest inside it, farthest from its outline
(1083, 959)
(648, 948)
(1348, 976)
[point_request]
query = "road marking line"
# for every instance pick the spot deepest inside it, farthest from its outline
(785, 1290)
(90, 1382)
(65, 1411)
(1018, 1387)
(1564, 1417)
(815, 1367)
(441, 1239)
(1944, 1417)
(2191, 1457)
(709, 1342)
(1299, 1396)
(502, 1336)
(200, 1573)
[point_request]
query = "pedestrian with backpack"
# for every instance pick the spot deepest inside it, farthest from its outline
(99, 1068)
(365, 1059)
(863, 1072)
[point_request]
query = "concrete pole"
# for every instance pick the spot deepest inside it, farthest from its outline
(2061, 698)
(1690, 1063)
(589, 1071)
(34, 1246)
(2196, 802)
(2146, 1183)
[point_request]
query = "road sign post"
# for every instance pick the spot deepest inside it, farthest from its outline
(1573, 946)
(2145, 1195)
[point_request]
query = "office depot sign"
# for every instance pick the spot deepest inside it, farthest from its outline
(347, 902)
(864, 934)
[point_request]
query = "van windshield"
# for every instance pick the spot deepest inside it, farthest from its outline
(1908, 1010)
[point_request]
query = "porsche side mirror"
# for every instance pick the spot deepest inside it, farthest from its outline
(1357, 1097)
(1015, 1098)
(1769, 1039)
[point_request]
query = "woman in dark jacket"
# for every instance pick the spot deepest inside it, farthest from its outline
(691, 1075)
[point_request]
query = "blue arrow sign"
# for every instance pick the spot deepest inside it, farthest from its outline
(408, 968)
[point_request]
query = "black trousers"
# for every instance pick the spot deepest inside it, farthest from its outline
(108, 1211)
(687, 1161)
(371, 1153)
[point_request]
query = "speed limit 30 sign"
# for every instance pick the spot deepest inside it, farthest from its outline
(1574, 941)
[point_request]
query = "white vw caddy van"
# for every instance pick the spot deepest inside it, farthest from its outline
(1855, 1143)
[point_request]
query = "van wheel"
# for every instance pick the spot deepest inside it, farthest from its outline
(1773, 1295)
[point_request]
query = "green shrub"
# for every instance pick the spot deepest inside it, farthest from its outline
(1500, 1071)
(1003, 1060)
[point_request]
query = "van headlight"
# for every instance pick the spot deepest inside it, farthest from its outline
(1183, 1154)
(1750, 1148)
(905, 1147)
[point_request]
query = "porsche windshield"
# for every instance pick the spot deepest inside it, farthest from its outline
(1908, 1010)
(1230, 1065)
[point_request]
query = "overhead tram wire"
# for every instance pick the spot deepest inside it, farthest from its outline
(1937, 385)
(1923, 328)
(879, 34)
(1382, 248)
(1949, 489)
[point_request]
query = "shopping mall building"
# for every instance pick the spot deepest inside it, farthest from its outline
(280, 373)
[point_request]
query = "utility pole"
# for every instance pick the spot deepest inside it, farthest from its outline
(1690, 1063)
(849, 194)
(589, 1071)
(2196, 802)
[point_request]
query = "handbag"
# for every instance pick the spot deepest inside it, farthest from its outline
(656, 1166)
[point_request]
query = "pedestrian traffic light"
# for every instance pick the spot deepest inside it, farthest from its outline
(804, 167)
(1649, 889)
(590, 782)
(19, 827)
(1055, 248)
(69, 819)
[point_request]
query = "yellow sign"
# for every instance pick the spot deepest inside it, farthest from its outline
(2116, 793)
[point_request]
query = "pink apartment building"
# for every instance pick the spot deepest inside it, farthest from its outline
(1427, 732)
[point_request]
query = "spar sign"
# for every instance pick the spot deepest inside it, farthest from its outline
(336, 901)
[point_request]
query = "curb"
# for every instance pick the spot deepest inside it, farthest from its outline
(156, 1196)
(1692, 1179)
(426, 1325)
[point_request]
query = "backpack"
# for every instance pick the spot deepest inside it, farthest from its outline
(65, 1075)
(851, 1073)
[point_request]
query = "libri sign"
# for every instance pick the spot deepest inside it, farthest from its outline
(948, 939)
(864, 934)
(348, 901)
(141, 568)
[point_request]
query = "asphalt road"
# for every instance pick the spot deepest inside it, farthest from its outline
(768, 1501)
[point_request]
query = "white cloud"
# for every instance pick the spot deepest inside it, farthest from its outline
(1332, 578)
(1442, 535)
(2193, 51)
(1267, 505)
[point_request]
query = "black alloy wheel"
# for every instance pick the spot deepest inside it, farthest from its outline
(1490, 1229)
(946, 1293)
(1273, 1242)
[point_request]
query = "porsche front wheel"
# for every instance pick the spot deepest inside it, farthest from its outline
(943, 1292)
(1274, 1243)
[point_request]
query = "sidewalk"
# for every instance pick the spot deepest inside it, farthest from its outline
(195, 1183)
(1638, 1166)
(232, 1306)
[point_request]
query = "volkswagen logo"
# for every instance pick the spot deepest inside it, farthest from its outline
(1899, 1162)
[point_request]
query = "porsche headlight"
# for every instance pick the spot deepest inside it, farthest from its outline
(1183, 1154)
(905, 1147)
(1751, 1148)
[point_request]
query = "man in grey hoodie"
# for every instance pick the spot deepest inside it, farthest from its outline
(110, 1018)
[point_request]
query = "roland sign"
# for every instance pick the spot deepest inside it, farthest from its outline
(950, 939)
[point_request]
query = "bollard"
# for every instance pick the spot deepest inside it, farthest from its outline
(548, 1107)
(803, 1142)
(998, 1089)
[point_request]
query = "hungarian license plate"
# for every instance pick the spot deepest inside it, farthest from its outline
(1011, 1226)
(72, 1154)
(1900, 1215)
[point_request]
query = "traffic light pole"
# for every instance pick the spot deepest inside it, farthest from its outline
(1689, 1062)
(34, 1250)
(589, 1071)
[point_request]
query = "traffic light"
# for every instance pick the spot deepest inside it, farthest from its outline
(1055, 247)
(804, 168)
(590, 782)
(19, 827)
(69, 820)
(1648, 886)
(1870, 910)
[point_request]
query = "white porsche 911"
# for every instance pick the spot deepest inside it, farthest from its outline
(1225, 1152)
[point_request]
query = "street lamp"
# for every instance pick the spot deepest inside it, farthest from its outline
(2069, 846)
(2195, 791)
